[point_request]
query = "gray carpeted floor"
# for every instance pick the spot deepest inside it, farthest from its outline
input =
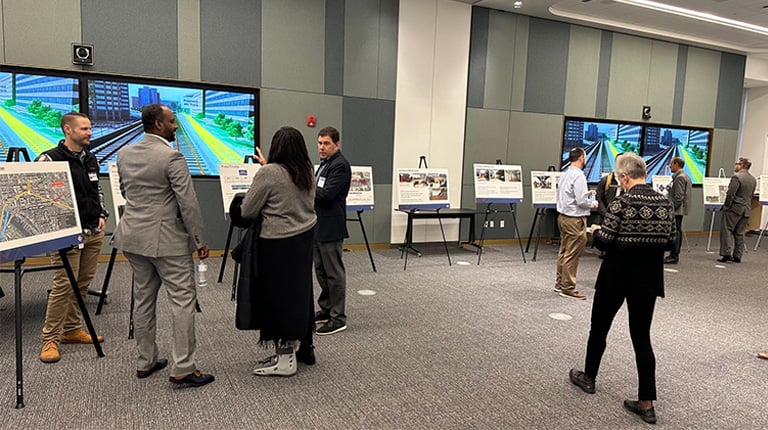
(437, 347)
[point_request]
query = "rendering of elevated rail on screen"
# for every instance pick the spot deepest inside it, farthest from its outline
(602, 141)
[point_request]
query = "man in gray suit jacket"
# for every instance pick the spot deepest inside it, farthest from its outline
(680, 196)
(736, 209)
(161, 227)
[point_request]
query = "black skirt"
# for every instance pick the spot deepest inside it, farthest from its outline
(283, 305)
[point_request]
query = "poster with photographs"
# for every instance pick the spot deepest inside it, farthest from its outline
(422, 189)
(762, 189)
(235, 178)
(498, 183)
(117, 196)
(360, 197)
(544, 188)
(662, 183)
(715, 190)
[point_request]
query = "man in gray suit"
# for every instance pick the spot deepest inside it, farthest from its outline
(680, 196)
(161, 227)
(736, 212)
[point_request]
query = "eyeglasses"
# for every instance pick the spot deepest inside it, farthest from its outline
(738, 164)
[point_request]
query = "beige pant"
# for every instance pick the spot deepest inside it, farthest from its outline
(63, 313)
(573, 240)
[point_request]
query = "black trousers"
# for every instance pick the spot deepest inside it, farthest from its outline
(678, 237)
(640, 310)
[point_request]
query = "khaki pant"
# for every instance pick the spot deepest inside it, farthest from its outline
(573, 240)
(63, 313)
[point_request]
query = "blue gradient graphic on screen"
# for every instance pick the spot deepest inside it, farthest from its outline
(31, 107)
(661, 144)
(214, 126)
(602, 141)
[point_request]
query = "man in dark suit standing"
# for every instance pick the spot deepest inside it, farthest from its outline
(333, 179)
(736, 212)
(161, 227)
(680, 196)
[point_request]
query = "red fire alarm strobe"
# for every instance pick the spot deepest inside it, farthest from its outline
(311, 121)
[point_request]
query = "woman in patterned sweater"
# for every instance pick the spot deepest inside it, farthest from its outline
(638, 228)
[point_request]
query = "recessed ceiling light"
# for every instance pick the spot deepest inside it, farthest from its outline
(694, 14)
(518, 4)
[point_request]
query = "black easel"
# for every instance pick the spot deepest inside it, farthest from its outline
(19, 271)
(488, 210)
(408, 242)
(540, 212)
(247, 159)
(365, 236)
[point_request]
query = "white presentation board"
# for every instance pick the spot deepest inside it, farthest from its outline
(715, 190)
(498, 183)
(422, 189)
(662, 183)
(38, 212)
(762, 187)
(544, 188)
(235, 178)
(360, 197)
(117, 196)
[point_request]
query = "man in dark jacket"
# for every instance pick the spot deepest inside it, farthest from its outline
(333, 178)
(63, 320)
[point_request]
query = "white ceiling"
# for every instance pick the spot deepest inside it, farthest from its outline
(609, 14)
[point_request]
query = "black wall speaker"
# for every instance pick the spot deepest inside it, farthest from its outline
(82, 54)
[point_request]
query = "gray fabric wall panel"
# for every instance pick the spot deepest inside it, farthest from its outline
(517, 101)
(677, 104)
(379, 231)
(487, 133)
(604, 74)
(280, 107)
(583, 66)
(230, 37)
(547, 64)
(499, 72)
(368, 135)
(361, 27)
(702, 75)
(388, 28)
(334, 47)
(478, 54)
(630, 74)
(662, 80)
(293, 45)
(29, 38)
(134, 42)
(724, 151)
(729, 91)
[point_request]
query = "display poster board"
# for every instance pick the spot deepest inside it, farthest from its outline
(498, 183)
(38, 212)
(117, 196)
(360, 196)
(235, 178)
(715, 190)
(544, 188)
(662, 184)
(762, 189)
(422, 189)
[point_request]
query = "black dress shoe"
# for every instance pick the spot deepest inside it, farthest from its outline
(670, 260)
(647, 415)
(581, 380)
(194, 379)
(306, 354)
(736, 259)
(725, 259)
(159, 365)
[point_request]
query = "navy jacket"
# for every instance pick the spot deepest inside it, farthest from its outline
(331, 198)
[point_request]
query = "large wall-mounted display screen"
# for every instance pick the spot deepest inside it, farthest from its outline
(602, 140)
(214, 126)
(661, 144)
(31, 106)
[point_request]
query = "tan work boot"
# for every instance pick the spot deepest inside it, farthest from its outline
(78, 336)
(50, 352)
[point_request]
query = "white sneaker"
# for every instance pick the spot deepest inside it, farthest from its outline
(279, 365)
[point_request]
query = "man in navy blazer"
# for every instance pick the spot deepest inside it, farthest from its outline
(333, 178)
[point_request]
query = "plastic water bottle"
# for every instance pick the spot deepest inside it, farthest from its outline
(200, 271)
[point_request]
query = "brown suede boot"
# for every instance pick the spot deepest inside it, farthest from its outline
(50, 352)
(78, 336)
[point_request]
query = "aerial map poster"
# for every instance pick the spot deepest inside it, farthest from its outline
(38, 212)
